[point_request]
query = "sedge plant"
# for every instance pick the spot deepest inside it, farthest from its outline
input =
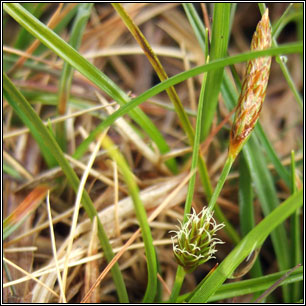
(194, 242)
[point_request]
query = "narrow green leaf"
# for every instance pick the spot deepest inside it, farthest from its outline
(78, 28)
(180, 273)
(262, 179)
(280, 169)
(196, 24)
(246, 208)
(259, 284)
(249, 286)
(24, 38)
(62, 25)
(219, 42)
(8, 169)
(266, 193)
(15, 99)
(141, 217)
(295, 236)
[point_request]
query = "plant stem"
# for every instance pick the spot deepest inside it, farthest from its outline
(179, 278)
(223, 176)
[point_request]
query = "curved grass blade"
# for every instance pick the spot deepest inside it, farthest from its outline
(249, 286)
(158, 68)
(78, 28)
(62, 49)
(255, 285)
(54, 150)
(288, 48)
(141, 217)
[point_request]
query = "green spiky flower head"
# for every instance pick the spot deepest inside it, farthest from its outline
(194, 242)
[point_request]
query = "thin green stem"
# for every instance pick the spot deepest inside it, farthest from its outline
(179, 278)
(180, 273)
(221, 181)
(195, 152)
(197, 25)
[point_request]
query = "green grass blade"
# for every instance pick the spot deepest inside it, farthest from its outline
(267, 196)
(52, 146)
(254, 285)
(280, 169)
(141, 217)
(295, 237)
(62, 49)
(196, 24)
(246, 208)
(24, 38)
(11, 171)
(15, 99)
(195, 152)
(202, 37)
(254, 239)
(265, 188)
(78, 28)
(219, 42)
(62, 24)
(286, 18)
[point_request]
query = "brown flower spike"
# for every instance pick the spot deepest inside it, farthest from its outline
(253, 88)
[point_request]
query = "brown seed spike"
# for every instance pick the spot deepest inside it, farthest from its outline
(253, 89)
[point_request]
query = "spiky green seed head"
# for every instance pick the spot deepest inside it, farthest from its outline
(194, 242)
